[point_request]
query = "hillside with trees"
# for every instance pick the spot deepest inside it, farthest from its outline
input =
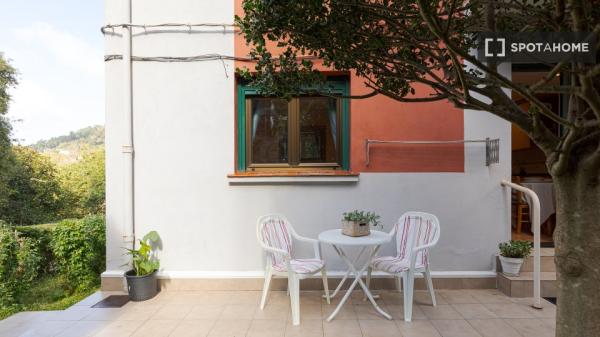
(68, 149)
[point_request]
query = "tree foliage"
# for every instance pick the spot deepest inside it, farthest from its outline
(35, 195)
(8, 79)
(83, 185)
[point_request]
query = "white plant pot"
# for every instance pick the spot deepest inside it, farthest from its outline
(511, 266)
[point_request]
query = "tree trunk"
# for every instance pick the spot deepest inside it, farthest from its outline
(577, 240)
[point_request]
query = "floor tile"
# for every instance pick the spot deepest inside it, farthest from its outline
(172, 312)
(473, 311)
(342, 328)
(346, 312)
(119, 329)
(421, 328)
(455, 328)
(193, 328)
(139, 312)
(441, 311)
(532, 327)
(457, 296)
(397, 312)
(493, 328)
(424, 298)
(276, 311)
(83, 329)
(508, 310)
(156, 328)
(205, 311)
(489, 296)
(379, 328)
(238, 311)
(266, 328)
(307, 328)
(39, 329)
(230, 328)
(368, 312)
(104, 314)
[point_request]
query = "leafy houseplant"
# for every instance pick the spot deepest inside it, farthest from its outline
(141, 280)
(512, 254)
(357, 223)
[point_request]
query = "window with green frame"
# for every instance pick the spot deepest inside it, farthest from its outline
(308, 132)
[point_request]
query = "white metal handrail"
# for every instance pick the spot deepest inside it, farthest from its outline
(534, 213)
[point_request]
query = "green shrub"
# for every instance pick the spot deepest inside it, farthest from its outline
(19, 264)
(42, 234)
(78, 247)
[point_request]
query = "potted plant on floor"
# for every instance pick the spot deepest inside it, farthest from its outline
(358, 223)
(141, 280)
(512, 254)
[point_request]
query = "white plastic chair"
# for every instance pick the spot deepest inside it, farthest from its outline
(275, 235)
(415, 233)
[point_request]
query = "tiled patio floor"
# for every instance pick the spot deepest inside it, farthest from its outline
(460, 313)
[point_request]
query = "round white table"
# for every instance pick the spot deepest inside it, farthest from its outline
(340, 241)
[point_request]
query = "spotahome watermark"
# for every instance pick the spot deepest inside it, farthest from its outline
(538, 47)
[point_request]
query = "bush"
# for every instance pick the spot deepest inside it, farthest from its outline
(19, 265)
(78, 247)
(42, 235)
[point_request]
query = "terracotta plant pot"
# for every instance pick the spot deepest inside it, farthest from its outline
(511, 266)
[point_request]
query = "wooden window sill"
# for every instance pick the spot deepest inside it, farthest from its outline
(292, 177)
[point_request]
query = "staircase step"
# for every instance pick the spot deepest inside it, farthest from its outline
(522, 285)
(546, 259)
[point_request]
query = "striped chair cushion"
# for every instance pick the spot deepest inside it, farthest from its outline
(276, 234)
(301, 266)
(392, 264)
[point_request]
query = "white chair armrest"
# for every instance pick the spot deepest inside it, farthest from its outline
(285, 254)
(314, 242)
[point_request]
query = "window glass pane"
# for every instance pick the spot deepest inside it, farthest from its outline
(318, 130)
(269, 130)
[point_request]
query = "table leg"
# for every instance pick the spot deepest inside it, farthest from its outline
(339, 286)
(357, 280)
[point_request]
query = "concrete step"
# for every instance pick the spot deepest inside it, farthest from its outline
(546, 259)
(522, 285)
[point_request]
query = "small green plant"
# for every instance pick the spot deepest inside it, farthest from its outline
(515, 249)
(144, 259)
(362, 217)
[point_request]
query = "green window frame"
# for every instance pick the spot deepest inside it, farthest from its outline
(336, 86)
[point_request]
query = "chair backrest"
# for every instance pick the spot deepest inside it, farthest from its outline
(274, 231)
(415, 229)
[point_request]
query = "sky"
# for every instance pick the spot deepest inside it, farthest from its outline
(57, 48)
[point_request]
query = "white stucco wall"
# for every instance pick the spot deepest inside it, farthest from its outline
(184, 148)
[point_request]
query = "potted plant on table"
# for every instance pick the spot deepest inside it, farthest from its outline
(512, 255)
(358, 223)
(141, 280)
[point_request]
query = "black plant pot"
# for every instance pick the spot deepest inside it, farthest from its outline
(141, 288)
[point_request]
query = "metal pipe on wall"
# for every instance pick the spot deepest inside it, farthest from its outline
(127, 149)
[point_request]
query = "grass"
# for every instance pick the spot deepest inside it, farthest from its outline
(48, 293)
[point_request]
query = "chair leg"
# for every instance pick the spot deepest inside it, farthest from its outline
(325, 285)
(519, 219)
(295, 299)
(398, 283)
(265, 292)
(408, 294)
(430, 285)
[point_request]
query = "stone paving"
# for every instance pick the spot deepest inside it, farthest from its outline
(459, 313)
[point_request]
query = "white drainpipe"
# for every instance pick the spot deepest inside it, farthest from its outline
(535, 215)
(127, 149)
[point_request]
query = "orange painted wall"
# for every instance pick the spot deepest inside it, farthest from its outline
(382, 118)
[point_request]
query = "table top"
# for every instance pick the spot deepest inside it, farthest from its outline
(335, 237)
